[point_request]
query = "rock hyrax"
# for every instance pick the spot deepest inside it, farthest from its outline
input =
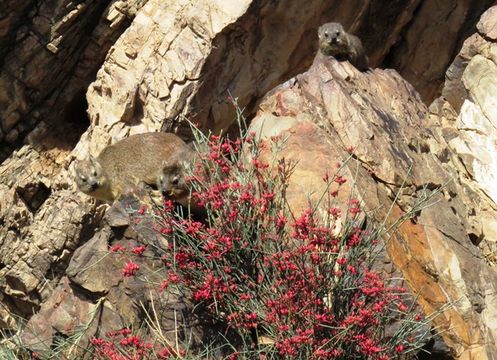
(335, 41)
(171, 180)
(134, 160)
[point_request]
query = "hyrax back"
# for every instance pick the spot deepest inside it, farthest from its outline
(127, 163)
(335, 41)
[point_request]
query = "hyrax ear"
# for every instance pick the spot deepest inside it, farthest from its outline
(78, 165)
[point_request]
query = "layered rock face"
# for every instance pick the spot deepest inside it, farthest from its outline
(425, 51)
(466, 119)
(49, 53)
(174, 61)
(398, 159)
(180, 59)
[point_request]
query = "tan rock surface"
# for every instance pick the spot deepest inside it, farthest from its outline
(468, 125)
(40, 231)
(45, 219)
(68, 312)
(94, 296)
(488, 24)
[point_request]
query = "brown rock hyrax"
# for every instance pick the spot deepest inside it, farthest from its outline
(335, 41)
(171, 180)
(132, 161)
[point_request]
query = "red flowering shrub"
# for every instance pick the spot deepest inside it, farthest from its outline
(293, 287)
(124, 345)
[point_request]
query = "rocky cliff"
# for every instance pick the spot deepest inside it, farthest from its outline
(76, 76)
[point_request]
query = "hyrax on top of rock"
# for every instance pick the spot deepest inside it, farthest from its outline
(335, 41)
(134, 160)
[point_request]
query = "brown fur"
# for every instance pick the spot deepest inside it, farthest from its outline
(134, 160)
(171, 180)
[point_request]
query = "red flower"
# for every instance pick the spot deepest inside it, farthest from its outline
(164, 285)
(130, 269)
(118, 247)
(139, 250)
(340, 180)
(134, 341)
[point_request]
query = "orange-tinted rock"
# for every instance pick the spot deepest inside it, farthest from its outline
(333, 107)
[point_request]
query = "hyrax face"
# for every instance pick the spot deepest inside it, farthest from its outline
(332, 39)
(171, 181)
(90, 177)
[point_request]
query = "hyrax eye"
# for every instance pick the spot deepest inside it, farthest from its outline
(338, 33)
(326, 34)
(82, 178)
(175, 180)
(94, 173)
